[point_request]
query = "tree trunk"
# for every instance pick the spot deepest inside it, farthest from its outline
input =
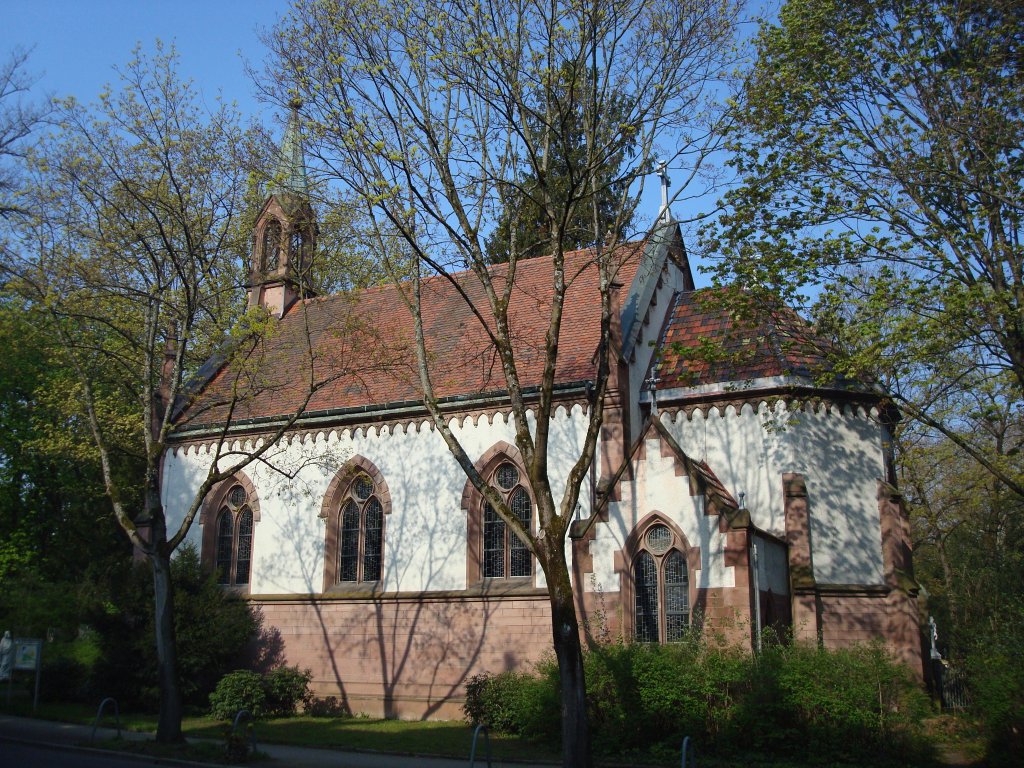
(168, 728)
(569, 652)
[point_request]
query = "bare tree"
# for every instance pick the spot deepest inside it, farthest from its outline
(134, 253)
(18, 119)
(438, 115)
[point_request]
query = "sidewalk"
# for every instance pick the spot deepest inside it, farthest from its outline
(74, 737)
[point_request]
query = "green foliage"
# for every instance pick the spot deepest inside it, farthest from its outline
(496, 700)
(524, 228)
(877, 147)
(54, 519)
(845, 703)
(275, 694)
(997, 685)
(241, 689)
(287, 688)
(213, 627)
(328, 706)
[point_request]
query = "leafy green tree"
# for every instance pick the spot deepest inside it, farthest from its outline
(214, 627)
(878, 148)
(134, 254)
(55, 523)
(438, 116)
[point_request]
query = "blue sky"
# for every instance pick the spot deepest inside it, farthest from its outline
(76, 43)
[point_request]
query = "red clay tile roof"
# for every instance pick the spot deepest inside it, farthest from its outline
(704, 344)
(362, 344)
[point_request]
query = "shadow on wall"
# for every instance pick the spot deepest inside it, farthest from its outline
(840, 454)
(408, 649)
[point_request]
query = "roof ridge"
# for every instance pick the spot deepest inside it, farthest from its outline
(450, 276)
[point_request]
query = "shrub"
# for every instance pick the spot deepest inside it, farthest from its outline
(286, 688)
(647, 698)
(514, 702)
(997, 686)
(213, 627)
(841, 704)
(241, 689)
(330, 706)
(275, 694)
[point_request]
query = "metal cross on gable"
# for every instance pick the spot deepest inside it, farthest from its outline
(666, 182)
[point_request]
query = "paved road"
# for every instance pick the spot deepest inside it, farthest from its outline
(23, 755)
(22, 732)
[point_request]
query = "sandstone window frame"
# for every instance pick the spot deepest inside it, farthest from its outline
(342, 494)
(641, 547)
(478, 526)
(228, 521)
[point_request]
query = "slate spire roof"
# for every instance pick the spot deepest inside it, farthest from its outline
(290, 174)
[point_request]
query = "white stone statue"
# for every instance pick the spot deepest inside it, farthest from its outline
(6, 656)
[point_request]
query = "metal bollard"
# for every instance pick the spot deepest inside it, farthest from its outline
(487, 738)
(99, 714)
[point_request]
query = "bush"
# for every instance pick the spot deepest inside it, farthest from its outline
(241, 689)
(330, 706)
(857, 699)
(213, 627)
(514, 702)
(647, 698)
(286, 688)
(275, 694)
(997, 686)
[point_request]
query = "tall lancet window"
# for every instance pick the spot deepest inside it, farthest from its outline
(296, 249)
(272, 246)
(661, 588)
(234, 538)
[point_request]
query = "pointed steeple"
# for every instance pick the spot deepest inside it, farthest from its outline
(285, 235)
(290, 174)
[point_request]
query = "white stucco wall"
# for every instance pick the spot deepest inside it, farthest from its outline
(839, 452)
(425, 534)
(657, 488)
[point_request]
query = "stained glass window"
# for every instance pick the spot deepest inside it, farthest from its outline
(349, 558)
(645, 588)
(225, 543)
(233, 550)
(494, 544)
(661, 589)
(244, 557)
(677, 597)
(361, 533)
(504, 554)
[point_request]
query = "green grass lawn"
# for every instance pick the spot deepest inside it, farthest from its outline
(445, 739)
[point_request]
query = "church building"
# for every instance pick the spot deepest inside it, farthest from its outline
(728, 496)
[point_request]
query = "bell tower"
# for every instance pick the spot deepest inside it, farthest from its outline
(286, 230)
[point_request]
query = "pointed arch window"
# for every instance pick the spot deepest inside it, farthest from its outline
(355, 509)
(661, 588)
(272, 245)
(296, 249)
(229, 520)
(361, 533)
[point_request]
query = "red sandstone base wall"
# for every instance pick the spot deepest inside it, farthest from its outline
(845, 619)
(408, 658)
